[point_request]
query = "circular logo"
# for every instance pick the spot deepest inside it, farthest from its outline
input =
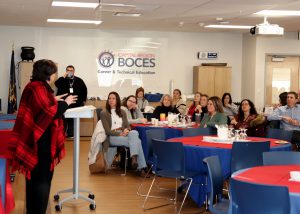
(106, 59)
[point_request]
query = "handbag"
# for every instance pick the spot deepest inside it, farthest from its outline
(100, 166)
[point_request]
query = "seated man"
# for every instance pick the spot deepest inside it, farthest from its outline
(289, 116)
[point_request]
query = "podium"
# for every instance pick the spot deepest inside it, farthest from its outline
(76, 114)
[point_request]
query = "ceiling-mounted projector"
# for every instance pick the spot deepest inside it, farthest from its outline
(266, 28)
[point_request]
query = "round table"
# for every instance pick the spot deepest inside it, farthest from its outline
(274, 175)
(196, 150)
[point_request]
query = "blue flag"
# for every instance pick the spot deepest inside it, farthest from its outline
(12, 93)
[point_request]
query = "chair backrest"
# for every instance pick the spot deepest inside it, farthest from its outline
(169, 156)
(248, 154)
(215, 176)
(3, 179)
(280, 134)
(281, 158)
(190, 132)
(249, 198)
(158, 134)
(98, 112)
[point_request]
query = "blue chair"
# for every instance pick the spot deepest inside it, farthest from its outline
(216, 181)
(170, 163)
(248, 154)
(191, 132)
(281, 158)
(151, 134)
(3, 180)
(249, 198)
(280, 134)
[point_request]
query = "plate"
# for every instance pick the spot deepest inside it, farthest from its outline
(296, 180)
(243, 140)
(214, 139)
(281, 142)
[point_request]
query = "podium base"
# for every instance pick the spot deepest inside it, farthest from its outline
(75, 196)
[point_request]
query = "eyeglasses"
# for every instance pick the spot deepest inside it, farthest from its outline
(132, 101)
(70, 70)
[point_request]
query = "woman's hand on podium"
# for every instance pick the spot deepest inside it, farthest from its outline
(71, 99)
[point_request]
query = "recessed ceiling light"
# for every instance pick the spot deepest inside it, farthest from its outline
(117, 5)
(75, 21)
(154, 43)
(224, 22)
(229, 26)
(127, 14)
(145, 46)
(74, 4)
(279, 13)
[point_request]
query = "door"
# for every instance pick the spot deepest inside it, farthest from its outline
(282, 74)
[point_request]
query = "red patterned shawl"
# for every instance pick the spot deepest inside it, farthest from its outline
(36, 113)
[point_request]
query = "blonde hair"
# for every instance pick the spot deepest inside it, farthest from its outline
(163, 97)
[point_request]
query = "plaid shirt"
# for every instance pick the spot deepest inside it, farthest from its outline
(36, 113)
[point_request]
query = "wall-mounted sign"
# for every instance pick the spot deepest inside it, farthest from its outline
(115, 68)
(207, 55)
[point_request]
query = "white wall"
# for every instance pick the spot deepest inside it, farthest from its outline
(80, 47)
(249, 66)
(287, 45)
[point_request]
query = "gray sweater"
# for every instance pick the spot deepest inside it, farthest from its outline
(138, 115)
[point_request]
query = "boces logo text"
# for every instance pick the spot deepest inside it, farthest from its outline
(107, 59)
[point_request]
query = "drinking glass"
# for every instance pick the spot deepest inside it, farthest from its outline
(230, 133)
(243, 134)
(237, 135)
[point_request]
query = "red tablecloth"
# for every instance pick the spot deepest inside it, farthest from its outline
(198, 141)
(4, 143)
(272, 175)
(164, 126)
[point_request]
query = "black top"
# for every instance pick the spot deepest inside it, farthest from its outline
(163, 109)
(79, 88)
(204, 111)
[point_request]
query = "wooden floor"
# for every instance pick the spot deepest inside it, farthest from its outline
(113, 193)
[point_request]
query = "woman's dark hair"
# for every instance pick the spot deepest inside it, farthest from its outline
(194, 103)
(252, 109)
(217, 104)
(223, 98)
(124, 103)
(138, 90)
(177, 91)
(283, 98)
(118, 104)
(43, 69)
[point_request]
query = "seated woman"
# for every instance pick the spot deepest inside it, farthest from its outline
(165, 107)
(178, 102)
(203, 104)
(141, 100)
(247, 118)
(118, 132)
(230, 109)
(282, 100)
(215, 114)
(195, 107)
(134, 114)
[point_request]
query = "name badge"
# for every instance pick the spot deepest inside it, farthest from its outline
(71, 90)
